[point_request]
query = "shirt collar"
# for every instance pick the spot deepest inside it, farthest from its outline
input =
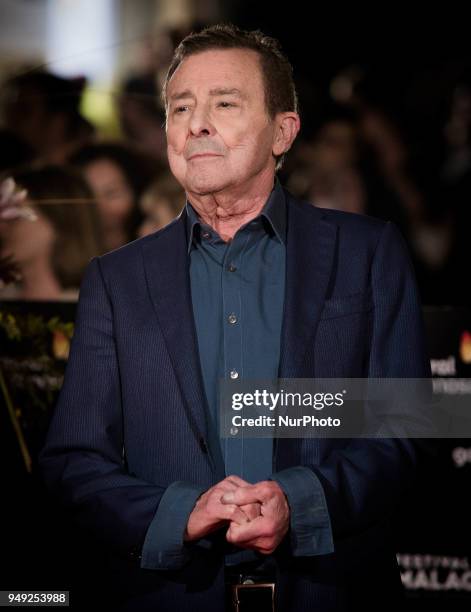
(274, 211)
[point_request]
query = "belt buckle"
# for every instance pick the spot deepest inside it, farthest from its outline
(247, 585)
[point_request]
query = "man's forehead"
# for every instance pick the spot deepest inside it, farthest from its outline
(180, 94)
(218, 71)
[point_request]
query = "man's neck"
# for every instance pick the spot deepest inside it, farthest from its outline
(227, 211)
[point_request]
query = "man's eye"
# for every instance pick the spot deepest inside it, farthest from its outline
(226, 104)
(180, 109)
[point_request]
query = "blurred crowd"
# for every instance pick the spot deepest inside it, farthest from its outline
(79, 195)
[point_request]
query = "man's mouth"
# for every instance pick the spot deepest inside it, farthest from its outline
(196, 155)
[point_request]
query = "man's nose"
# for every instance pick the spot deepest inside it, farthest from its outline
(200, 124)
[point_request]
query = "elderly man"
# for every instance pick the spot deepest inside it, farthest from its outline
(247, 282)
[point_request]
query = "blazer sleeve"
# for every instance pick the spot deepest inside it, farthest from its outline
(82, 460)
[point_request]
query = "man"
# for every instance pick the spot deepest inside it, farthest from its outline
(248, 282)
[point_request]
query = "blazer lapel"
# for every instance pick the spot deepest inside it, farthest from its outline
(167, 273)
(311, 242)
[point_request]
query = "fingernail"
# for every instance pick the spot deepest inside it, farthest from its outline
(227, 498)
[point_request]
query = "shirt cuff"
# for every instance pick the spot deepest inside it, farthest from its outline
(311, 531)
(164, 547)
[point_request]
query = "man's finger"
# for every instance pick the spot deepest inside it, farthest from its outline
(230, 483)
(237, 480)
(251, 510)
(233, 513)
(245, 532)
(243, 496)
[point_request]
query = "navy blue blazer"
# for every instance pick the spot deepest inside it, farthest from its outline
(131, 417)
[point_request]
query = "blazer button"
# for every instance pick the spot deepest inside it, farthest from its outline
(203, 446)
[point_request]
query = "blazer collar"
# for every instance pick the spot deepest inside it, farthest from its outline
(273, 213)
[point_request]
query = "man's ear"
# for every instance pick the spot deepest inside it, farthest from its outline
(287, 128)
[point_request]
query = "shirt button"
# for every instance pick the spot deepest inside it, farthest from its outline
(232, 318)
(231, 268)
(234, 374)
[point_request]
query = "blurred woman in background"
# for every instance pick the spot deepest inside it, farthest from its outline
(160, 204)
(118, 176)
(51, 247)
(43, 109)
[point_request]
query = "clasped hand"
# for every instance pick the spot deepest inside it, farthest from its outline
(256, 516)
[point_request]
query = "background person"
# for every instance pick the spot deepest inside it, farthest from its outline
(52, 243)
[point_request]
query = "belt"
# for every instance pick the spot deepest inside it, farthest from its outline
(249, 592)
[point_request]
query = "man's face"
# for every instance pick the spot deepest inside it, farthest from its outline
(219, 134)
